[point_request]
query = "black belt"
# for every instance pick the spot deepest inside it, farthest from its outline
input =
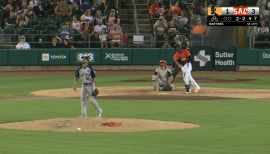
(86, 84)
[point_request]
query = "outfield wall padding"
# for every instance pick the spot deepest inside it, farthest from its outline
(3, 58)
(204, 58)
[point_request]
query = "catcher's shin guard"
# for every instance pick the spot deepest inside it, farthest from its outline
(167, 87)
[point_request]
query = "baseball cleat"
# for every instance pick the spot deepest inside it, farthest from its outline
(99, 114)
(84, 117)
(188, 91)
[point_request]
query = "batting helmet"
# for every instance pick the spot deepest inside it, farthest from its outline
(178, 48)
(163, 61)
(184, 45)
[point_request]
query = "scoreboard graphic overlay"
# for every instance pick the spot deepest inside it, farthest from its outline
(233, 16)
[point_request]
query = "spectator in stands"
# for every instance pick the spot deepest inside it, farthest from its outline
(166, 3)
(116, 36)
(263, 29)
(22, 44)
(99, 5)
(203, 10)
(199, 29)
(88, 27)
(99, 16)
(6, 9)
(192, 16)
(17, 5)
(124, 40)
(162, 10)
(37, 7)
(103, 38)
(85, 5)
(166, 44)
(113, 18)
(65, 29)
(160, 28)
(22, 20)
(268, 5)
(10, 23)
(111, 5)
(23, 4)
(33, 3)
(49, 6)
(75, 24)
(31, 15)
(39, 44)
(175, 9)
(153, 10)
(173, 27)
(265, 12)
(149, 2)
(100, 31)
(87, 16)
(63, 9)
(67, 43)
(54, 43)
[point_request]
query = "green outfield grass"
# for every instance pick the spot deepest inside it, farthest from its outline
(236, 126)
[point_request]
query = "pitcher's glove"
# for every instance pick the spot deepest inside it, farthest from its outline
(95, 92)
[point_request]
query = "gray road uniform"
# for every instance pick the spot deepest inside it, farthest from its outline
(160, 78)
(87, 75)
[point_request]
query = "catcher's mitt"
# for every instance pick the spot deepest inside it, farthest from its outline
(95, 92)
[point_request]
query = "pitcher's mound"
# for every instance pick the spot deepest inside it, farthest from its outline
(96, 125)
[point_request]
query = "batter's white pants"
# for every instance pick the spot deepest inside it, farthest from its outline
(187, 77)
(87, 91)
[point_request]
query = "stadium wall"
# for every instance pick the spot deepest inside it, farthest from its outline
(204, 58)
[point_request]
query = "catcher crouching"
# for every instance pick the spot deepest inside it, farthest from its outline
(162, 77)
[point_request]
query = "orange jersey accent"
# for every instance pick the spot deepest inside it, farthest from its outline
(183, 57)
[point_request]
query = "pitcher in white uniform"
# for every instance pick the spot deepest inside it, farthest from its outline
(87, 75)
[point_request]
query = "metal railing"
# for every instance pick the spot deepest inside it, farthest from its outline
(78, 40)
(261, 41)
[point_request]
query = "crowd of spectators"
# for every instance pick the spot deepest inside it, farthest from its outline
(171, 18)
(62, 23)
(262, 37)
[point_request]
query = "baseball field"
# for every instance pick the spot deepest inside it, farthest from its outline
(230, 115)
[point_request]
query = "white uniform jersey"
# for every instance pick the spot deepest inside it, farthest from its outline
(85, 74)
(23, 45)
(163, 74)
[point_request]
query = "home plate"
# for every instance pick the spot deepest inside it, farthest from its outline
(163, 93)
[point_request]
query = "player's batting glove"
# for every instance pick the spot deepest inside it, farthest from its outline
(183, 69)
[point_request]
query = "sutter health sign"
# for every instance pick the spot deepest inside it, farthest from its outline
(225, 58)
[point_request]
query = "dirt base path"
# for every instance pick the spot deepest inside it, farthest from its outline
(147, 93)
(97, 125)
